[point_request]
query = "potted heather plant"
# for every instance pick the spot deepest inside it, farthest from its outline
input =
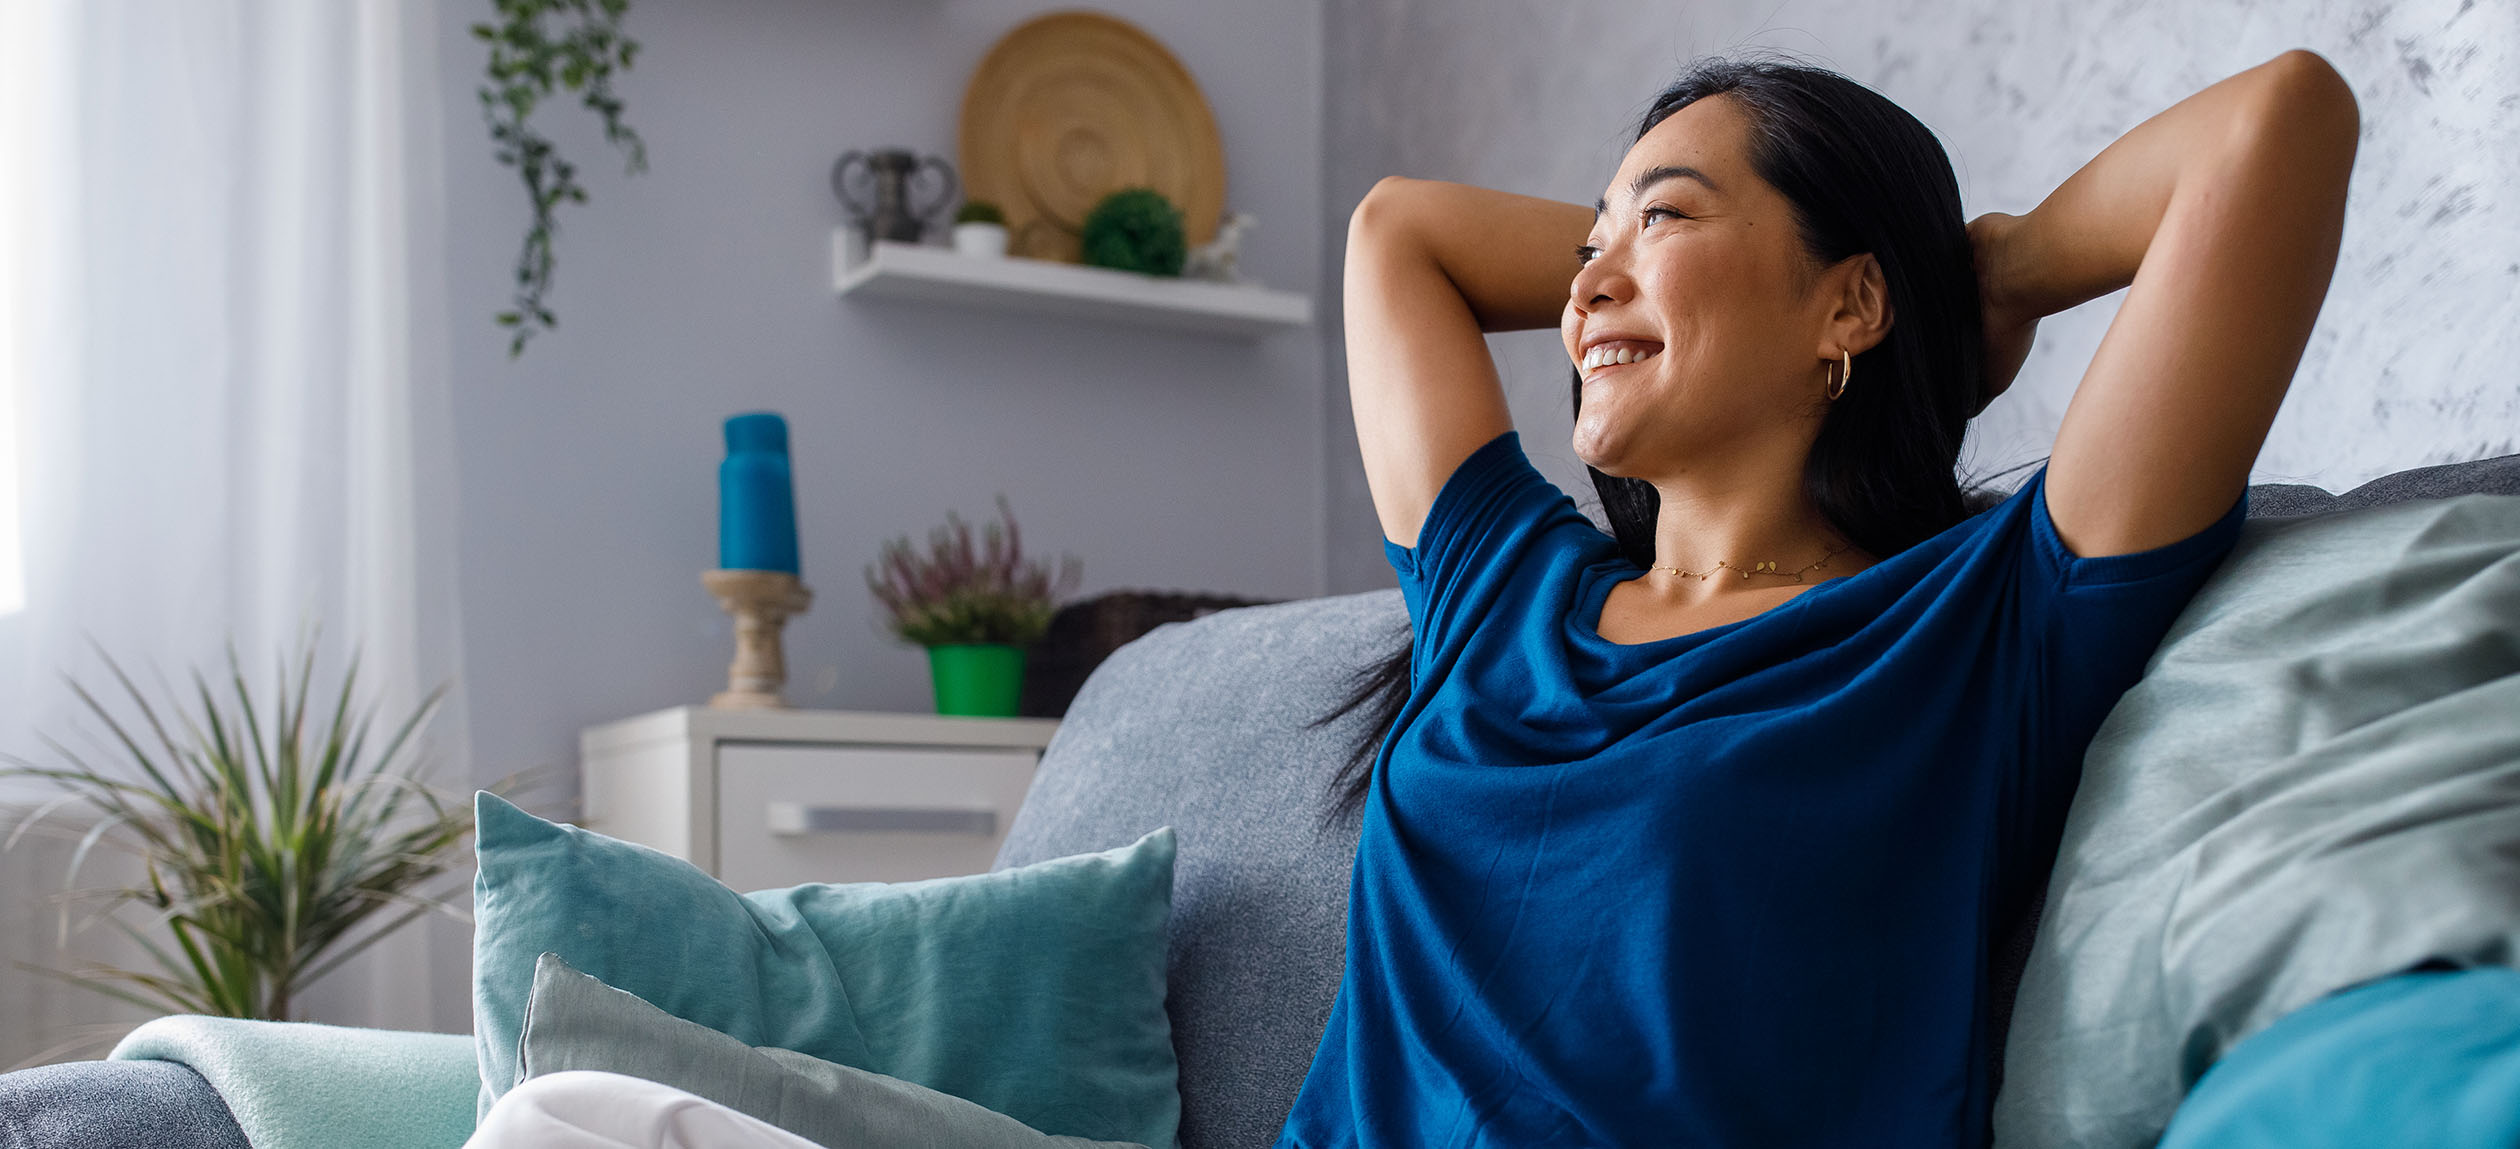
(975, 608)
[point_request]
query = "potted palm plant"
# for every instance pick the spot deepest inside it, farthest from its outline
(975, 608)
(281, 834)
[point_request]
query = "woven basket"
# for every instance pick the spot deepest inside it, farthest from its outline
(1084, 633)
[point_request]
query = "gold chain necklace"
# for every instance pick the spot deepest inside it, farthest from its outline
(1766, 568)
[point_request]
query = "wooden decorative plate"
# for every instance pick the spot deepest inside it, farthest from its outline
(1073, 106)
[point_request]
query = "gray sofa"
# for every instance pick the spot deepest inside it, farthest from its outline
(1208, 727)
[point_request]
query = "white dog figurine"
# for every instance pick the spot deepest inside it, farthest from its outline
(1216, 259)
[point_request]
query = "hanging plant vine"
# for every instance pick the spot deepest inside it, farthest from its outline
(529, 65)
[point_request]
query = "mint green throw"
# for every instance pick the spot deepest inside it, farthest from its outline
(293, 1085)
(576, 1022)
(2315, 784)
(1037, 992)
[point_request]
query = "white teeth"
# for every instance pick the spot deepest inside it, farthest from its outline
(1606, 356)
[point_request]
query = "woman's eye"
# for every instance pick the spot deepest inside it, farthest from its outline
(1651, 212)
(1586, 254)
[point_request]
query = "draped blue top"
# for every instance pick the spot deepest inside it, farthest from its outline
(1733, 888)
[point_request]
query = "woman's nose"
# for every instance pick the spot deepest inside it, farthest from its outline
(1600, 280)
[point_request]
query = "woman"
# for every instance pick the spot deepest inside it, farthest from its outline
(1701, 833)
(1695, 835)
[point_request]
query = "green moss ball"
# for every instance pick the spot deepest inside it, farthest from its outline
(1136, 229)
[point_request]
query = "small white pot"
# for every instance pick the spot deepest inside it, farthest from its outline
(985, 240)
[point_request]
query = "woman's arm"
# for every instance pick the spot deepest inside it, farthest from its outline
(1430, 266)
(2223, 213)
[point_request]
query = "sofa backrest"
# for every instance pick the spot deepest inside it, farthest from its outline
(2495, 476)
(1206, 727)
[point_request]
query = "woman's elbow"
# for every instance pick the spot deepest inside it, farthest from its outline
(1386, 213)
(2305, 107)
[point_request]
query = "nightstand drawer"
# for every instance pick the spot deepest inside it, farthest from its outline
(789, 814)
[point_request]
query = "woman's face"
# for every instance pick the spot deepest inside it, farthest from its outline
(1698, 275)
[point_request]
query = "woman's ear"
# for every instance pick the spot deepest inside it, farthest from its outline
(1860, 318)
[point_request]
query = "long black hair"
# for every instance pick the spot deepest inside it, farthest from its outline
(1863, 176)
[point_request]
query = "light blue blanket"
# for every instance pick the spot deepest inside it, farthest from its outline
(301, 1086)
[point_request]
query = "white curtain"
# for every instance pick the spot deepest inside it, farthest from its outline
(224, 334)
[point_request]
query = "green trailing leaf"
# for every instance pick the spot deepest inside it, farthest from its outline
(275, 843)
(961, 593)
(540, 49)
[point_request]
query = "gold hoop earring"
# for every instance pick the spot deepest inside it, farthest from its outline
(1837, 386)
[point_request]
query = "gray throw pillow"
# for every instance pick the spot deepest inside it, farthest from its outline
(2316, 783)
(573, 1021)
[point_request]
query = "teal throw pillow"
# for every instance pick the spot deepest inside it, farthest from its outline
(576, 1022)
(2430, 1059)
(1036, 991)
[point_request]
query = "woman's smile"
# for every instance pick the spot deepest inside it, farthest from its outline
(1618, 353)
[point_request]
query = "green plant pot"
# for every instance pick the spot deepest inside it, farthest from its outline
(978, 680)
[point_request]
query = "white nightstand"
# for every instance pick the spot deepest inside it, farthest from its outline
(766, 798)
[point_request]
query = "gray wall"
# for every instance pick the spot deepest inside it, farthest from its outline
(2412, 359)
(42, 1019)
(703, 288)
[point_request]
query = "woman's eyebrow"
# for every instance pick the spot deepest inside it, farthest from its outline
(1645, 181)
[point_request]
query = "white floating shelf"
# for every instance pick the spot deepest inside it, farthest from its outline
(1040, 287)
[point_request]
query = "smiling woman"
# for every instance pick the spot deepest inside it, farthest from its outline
(1704, 831)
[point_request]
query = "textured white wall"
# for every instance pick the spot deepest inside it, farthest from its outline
(2412, 360)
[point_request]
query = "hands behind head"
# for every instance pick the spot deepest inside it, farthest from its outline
(2010, 326)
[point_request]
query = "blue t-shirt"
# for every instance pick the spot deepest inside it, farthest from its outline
(1733, 888)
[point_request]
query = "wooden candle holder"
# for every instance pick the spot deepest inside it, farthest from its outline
(762, 602)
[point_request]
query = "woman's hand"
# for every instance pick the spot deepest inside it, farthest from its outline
(2010, 326)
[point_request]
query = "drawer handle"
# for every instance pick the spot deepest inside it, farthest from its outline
(789, 819)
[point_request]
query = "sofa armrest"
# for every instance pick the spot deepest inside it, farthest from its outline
(293, 1085)
(114, 1105)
